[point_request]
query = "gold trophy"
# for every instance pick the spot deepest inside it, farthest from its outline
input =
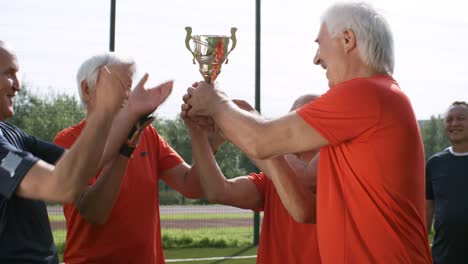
(210, 51)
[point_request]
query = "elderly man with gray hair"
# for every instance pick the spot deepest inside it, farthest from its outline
(116, 218)
(370, 204)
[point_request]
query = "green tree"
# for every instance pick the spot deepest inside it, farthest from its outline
(433, 135)
(231, 160)
(45, 117)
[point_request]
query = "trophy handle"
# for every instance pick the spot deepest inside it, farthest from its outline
(234, 42)
(188, 37)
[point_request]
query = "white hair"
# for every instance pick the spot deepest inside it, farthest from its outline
(89, 70)
(374, 38)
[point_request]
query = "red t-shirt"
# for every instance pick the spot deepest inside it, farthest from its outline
(283, 240)
(370, 197)
(133, 233)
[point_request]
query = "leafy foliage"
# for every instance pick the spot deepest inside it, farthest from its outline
(45, 117)
(230, 159)
(433, 136)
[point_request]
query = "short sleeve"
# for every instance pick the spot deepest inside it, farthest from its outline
(14, 165)
(67, 137)
(260, 182)
(168, 158)
(44, 150)
(344, 112)
(259, 179)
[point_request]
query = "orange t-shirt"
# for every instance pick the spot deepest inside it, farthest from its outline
(133, 233)
(370, 197)
(283, 240)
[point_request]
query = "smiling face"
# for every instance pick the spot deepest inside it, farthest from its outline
(456, 124)
(9, 83)
(330, 55)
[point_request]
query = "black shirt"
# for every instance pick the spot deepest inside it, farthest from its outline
(447, 185)
(25, 234)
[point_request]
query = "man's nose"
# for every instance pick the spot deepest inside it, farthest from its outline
(16, 84)
(317, 58)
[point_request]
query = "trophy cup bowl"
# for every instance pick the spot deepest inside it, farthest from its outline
(211, 51)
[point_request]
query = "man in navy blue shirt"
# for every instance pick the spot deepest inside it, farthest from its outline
(27, 176)
(446, 190)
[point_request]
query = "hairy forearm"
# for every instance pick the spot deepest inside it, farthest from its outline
(244, 129)
(78, 165)
(192, 187)
(298, 197)
(123, 122)
(211, 178)
(96, 201)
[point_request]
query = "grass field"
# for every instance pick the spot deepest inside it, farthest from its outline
(195, 216)
(207, 237)
(213, 244)
(190, 243)
(187, 238)
(216, 255)
(198, 253)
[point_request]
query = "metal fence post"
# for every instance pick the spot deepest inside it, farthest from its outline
(256, 230)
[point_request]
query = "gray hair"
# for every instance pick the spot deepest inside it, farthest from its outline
(373, 35)
(89, 70)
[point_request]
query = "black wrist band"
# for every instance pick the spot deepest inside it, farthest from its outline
(126, 150)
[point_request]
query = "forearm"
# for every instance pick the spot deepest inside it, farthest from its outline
(96, 201)
(78, 165)
(262, 139)
(245, 130)
(123, 122)
(191, 184)
(211, 178)
(298, 197)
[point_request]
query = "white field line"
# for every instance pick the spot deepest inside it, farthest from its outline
(213, 258)
(204, 259)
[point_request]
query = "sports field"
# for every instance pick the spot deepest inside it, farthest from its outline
(199, 234)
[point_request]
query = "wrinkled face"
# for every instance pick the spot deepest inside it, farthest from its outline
(456, 124)
(9, 83)
(330, 55)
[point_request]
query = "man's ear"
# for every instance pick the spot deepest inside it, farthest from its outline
(85, 91)
(349, 40)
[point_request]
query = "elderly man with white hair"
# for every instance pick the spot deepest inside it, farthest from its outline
(121, 204)
(370, 204)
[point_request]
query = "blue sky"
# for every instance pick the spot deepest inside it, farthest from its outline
(52, 38)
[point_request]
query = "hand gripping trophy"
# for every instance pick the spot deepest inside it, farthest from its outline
(210, 51)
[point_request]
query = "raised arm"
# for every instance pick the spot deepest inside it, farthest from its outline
(296, 184)
(95, 203)
(65, 181)
(255, 136)
(140, 103)
(239, 191)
